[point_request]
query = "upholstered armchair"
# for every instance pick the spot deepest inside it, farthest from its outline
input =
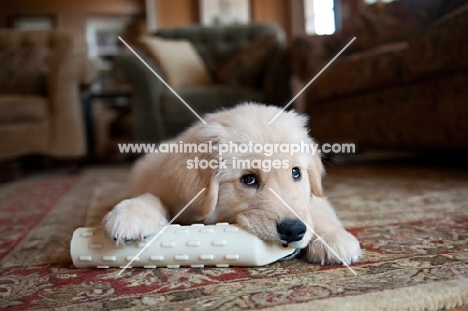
(157, 114)
(40, 107)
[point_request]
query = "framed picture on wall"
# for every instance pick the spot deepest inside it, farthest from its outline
(33, 22)
(224, 12)
(102, 32)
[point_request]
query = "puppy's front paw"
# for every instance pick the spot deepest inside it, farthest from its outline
(343, 243)
(134, 219)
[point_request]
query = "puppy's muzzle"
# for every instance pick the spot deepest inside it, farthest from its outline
(291, 230)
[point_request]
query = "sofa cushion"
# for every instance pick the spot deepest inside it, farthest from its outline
(22, 108)
(246, 67)
(207, 98)
(216, 44)
(178, 60)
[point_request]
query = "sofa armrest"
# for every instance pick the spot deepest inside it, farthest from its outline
(70, 69)
(88, 71)
(277, 82)
(146, 99)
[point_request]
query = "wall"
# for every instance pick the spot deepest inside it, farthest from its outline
(289, 14)
(70, 14)
(349, 9)
(171, 13)
(276, 11)
(174, 13)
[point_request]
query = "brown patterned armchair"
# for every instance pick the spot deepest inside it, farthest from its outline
(40, 107)
(402, 84)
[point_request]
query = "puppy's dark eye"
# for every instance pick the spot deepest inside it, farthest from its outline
(249, 180)
(296, 173)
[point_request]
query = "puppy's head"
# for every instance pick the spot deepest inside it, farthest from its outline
(266, 192)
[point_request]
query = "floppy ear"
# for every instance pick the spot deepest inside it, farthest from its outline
(188, 179)
(316, 172)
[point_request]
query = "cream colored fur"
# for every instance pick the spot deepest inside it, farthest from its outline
(161, 185)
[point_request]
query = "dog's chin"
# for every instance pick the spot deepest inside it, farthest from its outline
(298, 245)
(291, 256)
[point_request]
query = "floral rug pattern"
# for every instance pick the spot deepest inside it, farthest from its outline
(412, 225)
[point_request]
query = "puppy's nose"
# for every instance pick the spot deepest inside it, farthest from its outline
(291, 230)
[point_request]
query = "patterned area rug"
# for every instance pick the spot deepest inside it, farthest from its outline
(412, 224)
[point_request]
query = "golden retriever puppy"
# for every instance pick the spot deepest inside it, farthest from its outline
(242, 186)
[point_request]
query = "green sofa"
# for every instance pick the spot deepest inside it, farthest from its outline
(157, 114)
